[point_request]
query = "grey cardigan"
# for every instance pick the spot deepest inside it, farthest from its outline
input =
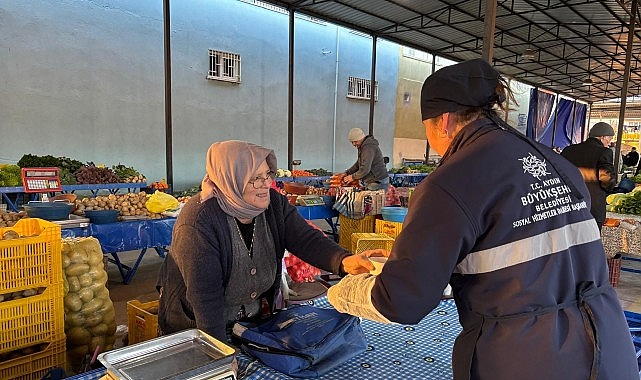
(196, 271)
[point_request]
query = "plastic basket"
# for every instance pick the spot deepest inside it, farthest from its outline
(391, 229)
(363, 241)
(31, 262)
(32, 320)
(614, 269)
(35, 366)
(348, 226)
(142, 324)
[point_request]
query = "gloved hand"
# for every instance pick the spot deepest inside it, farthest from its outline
(352, 295)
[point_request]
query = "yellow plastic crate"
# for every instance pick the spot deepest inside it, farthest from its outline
(348, 226)
(366, 241)
(31, 262)
(142, 324)
(391, 229)
(32, 320)
(36, 365)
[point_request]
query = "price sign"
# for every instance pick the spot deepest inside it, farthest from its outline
(41, 180)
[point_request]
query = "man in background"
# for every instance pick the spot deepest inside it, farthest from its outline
(595, 160)
(370, 165)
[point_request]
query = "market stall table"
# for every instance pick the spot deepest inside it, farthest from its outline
(112, 188)
(623, 240)
(325, 212)
(131, 235)
(422, 351)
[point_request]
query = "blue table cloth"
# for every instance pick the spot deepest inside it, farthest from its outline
(422, 351)
(395, 351)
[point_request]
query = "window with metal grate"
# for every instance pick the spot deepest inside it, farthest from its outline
(359, 88)
(224, 66)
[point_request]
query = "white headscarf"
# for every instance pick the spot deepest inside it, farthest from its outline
(230, 166)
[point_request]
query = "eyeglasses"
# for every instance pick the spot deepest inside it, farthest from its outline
(259, 182)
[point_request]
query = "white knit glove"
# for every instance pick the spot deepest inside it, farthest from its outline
(352, 295)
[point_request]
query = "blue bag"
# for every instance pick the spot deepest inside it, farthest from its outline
(303, 340)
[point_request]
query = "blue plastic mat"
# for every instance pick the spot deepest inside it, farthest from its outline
(634, 322)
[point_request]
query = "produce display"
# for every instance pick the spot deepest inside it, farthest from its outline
(625, 203)
(128, 174)
(74, 172)
(10, 175)
(283, 173)
(90, 318)
(408, 169)
(92, 174)
(159, 185)
(130, 204)
(9, 219)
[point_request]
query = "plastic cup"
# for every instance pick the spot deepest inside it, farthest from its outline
(378, 262)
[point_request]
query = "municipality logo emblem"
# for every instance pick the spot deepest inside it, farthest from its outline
(533, 165)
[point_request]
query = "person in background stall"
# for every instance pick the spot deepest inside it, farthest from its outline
(595, 160)
(370, 166)
(225, 260)
(517, 244)
(631, 159)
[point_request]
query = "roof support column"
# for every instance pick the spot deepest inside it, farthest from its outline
(488, 33)
(169, 164)
(290, 93)
(626, 79)
(372, 83)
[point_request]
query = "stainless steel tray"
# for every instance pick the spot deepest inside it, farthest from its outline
(72, 222)
(187, 354)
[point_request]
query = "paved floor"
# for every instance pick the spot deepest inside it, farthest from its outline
(629, 289)
(142, 287)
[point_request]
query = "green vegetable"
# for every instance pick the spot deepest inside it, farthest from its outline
(123, 172)
(10, 176)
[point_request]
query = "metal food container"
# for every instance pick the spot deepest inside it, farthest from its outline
(190, 354)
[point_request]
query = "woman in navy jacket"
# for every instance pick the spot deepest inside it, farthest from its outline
(506, 221)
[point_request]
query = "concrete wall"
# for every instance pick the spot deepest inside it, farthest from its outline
(85, 79)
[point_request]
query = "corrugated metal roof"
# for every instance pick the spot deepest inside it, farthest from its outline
(572, 40)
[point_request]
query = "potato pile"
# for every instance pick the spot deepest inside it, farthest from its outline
(15, 354)
(21, 294)
(8, 219)
(90, 318)
(130, 204)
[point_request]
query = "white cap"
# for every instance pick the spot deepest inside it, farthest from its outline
(356, 134)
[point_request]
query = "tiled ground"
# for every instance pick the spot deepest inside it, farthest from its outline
(629, 289)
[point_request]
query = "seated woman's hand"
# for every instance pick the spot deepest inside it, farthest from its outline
(357, 264)
(376, 252)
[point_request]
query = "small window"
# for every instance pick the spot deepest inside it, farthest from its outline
(359, 88)
(224, 66)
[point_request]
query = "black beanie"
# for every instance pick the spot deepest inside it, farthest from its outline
(468, 84)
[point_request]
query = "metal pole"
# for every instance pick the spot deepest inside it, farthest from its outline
(488, 33)
(372, 82)
(168, 126)
(626, 79)
(290, 98)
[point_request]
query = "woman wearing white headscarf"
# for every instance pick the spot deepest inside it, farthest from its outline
(228, 242)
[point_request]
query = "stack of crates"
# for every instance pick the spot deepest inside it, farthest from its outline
(142, 320)
(364, 241)
(391, 229)
(32, 331)
(348, 226)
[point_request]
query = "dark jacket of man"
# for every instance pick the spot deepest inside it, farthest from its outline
(370, 166)
(631, 159)
(595, 162)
